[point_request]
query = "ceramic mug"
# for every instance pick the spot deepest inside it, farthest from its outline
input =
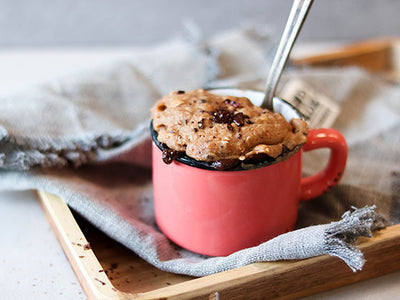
(216, 213)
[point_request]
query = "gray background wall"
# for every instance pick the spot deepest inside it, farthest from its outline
(27, 23)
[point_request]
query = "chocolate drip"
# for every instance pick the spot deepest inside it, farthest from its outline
(168, 155)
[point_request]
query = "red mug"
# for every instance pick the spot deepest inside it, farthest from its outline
(217, 213)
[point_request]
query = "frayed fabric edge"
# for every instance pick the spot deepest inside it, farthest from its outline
(340, 237)
(47, 153)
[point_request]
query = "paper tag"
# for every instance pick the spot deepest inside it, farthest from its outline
(317, 109)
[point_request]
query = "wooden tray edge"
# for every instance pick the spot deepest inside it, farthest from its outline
(349, 51)
(86, 266)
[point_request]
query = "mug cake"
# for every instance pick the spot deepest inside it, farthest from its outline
(223, 131)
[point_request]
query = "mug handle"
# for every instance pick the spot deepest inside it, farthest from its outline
(314, 185)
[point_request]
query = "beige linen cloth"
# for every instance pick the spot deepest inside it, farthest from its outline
(86, 139)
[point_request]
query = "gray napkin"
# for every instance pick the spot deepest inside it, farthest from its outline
(86, 139)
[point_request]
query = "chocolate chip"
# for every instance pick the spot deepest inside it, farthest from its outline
(168, 155)
(222, 116)
(232, 102)
(180, 92)
(260, 157)
(195, 129)
(203, 101)
(225, 164)
(229, 126)
(201, 124)
(239, 118)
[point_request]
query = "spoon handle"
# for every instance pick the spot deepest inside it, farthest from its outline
(297, 15)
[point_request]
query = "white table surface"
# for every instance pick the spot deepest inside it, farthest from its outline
(32, 263)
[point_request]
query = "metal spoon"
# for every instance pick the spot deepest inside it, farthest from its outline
(297, 15)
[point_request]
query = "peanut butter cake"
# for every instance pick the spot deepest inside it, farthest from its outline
(222, 130)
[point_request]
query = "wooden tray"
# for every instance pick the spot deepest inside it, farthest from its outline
(380, 56)
(107, 270)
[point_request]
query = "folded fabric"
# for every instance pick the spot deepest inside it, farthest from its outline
(86, 139)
